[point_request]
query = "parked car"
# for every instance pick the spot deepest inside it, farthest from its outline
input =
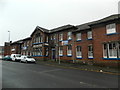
(15, 57)
(7, 57)
(27, 59)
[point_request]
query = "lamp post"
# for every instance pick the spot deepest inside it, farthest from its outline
(9, 36)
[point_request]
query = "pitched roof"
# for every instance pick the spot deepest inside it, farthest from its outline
(87, 26)
(65, 27)
(106, 19)
(28, 38)
(43, 29)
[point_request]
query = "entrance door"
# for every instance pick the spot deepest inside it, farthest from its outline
(53, 53)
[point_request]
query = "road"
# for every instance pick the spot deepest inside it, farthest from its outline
(22, 75)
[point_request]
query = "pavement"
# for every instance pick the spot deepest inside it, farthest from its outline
(107, 70)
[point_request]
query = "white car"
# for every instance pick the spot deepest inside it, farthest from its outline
(27, 59)
(15, 57)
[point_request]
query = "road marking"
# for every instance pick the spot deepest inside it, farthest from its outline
(46, 71)
(84, 69)
(50, 70)
(90, 85)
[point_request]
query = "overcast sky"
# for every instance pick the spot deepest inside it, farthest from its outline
(21, 17)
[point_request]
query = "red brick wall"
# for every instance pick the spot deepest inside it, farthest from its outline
(99, 37)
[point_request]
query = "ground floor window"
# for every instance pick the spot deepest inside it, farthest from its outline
(111, 50)
(119, 49)
(46, 51)
(78, 52)
(90, 51)
(69, 50)
(60, 51)
(37, 51)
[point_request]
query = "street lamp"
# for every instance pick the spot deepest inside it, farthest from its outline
(9, 36)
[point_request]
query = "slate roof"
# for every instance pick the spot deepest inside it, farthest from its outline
(43, 29)
(62, 28)
(87, 26)
(106, 19)
(28, 38)
(17, 42)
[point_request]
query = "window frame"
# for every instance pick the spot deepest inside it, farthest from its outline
(60, 51)
(89, 35)
(90, 53)
(60, 36)
(80, 56)
(78, 36)
(111, 28)
(69, 35)
(69, 51)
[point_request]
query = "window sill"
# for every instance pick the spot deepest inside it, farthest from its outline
(78, 40)
(60, 55)
(38, 43)
(69, 55)
(79, 57)
(37, 56)
(89, 39)
(69, 39)
(90, 57)
(111, 34)
(111, 58)
(60, 40)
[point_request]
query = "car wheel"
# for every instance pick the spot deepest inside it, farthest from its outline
(26, 61)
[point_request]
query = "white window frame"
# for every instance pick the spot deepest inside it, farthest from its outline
(40, 50)
(69, 51)
(60, 51)
(78, 52)
(61, 36)
(89, 34)
(90, 52)
(69, 35)
(46, 38)
(112, 52)
(46, 51)
(78, 36)
(105, 50)
(111, 28)
(118, 49)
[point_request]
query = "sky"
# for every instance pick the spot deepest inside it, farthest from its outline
(21, 17)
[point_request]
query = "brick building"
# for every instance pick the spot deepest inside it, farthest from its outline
(96, 42)
(15, 47)
(26, 46)
(1, 51)
(7, 48)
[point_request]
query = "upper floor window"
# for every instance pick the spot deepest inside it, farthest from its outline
(46, 38)
(51, 37)
(119, 49)
(111, 28)
(54, 36)
(78, 36)
(89, 34)
(69, 35)
(60, 36)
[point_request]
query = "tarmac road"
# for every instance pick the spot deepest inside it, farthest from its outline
(22, 75)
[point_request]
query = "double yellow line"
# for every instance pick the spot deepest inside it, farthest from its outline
(83, 69)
